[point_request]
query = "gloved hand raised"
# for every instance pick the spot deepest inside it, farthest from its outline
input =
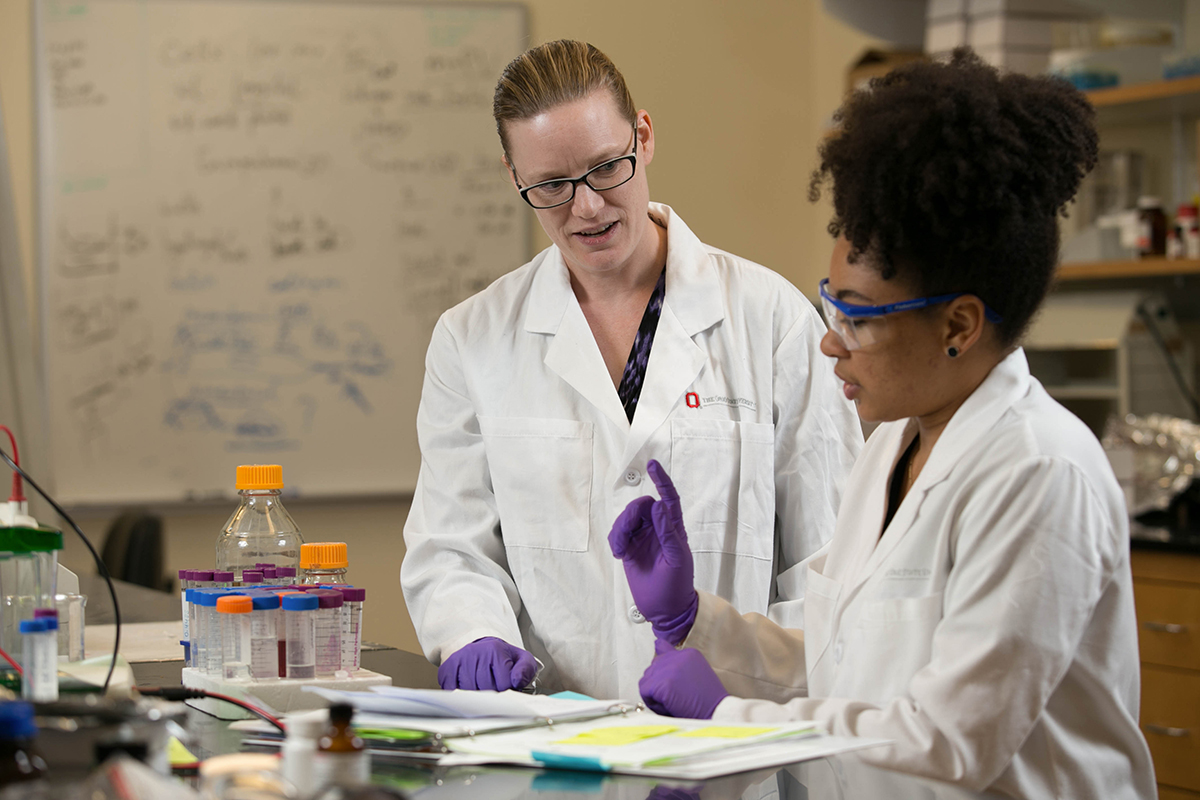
(680, 683)
(487, 663)
(649, 538)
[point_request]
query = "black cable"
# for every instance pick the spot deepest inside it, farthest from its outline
(1157, 336)
(181, 693)
(99, 561)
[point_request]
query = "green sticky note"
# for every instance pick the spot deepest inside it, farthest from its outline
(726, 732)
(617, 736)
(396, 734)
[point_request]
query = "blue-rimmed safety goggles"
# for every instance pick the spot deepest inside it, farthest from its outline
(858, 326)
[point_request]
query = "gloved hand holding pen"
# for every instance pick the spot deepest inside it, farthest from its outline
(650, 540)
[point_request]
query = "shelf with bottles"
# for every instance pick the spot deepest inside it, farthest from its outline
(1154, 267)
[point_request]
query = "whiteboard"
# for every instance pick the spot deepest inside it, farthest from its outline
(251, 215)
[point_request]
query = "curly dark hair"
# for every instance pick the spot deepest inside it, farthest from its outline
(952, 175)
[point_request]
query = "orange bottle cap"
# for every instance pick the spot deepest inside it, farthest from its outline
(259, 476)
(235, 604)
(323, 555)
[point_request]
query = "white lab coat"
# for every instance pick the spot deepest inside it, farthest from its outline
(527, 457)
(990, 632)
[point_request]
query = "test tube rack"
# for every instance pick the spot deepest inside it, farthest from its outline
(282, 695)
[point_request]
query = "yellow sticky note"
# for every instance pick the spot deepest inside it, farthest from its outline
(617, 736)
(726, 732)
(178, 754)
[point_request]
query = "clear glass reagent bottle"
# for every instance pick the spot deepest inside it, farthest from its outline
(260, 530)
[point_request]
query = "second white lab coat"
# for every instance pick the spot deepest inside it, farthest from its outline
(527, 457)
(990, 632)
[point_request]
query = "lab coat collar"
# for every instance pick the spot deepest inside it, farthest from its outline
(693, 287)
(1007, 383)
(693, 303)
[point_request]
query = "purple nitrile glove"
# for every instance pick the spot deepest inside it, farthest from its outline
(649, 538)
(680, 683)
(487, 663)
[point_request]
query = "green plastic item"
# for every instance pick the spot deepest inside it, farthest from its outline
(30, 540)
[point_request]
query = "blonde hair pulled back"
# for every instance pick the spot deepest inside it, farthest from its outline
(554, 73)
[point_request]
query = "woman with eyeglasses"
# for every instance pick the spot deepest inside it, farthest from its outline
(546, 393)
(975, 605)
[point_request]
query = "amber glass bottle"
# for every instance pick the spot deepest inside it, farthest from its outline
(342, 759)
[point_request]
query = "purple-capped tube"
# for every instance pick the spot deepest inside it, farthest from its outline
(352, 610)
(252, 578)
(328, 633)
(222, 579)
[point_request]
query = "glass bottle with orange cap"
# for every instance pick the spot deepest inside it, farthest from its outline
(323, 562)
(260, 530)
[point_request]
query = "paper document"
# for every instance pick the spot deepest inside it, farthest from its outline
(634, 741)
(461, 704)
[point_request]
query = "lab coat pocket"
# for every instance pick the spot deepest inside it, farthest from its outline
(898, 633)
(820, 604)
(541, 472)
(725, 473)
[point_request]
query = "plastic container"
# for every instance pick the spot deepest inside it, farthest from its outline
(71, 618)
(264, 636)
(185, 583)
(252, 578)
(209, 658)
(223, 578)
(19, 759)
(327, 631)
(300, 749)
(299, 612)
(323, 562)
(352, 610)
(260, 530)
(28, 578)
(39, 683)
(270, 576)
(285, 576)
(234, 612)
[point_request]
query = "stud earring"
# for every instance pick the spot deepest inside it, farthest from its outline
(952, 352)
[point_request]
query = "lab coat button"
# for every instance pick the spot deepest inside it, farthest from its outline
(633, 477)
(837, 653)
(635, 616)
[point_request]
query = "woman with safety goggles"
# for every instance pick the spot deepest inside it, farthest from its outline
(974, 606)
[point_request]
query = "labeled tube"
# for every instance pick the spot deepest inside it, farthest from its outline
(234, 611)
(39, 648)
(352, 610)
(210, 658)
(328, 631)
(264, 636)
(298, 611)
(185, 583)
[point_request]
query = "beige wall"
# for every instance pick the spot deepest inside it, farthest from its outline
(740, 94)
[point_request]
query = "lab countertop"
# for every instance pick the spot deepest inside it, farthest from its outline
(842, 777)
(1142, 537)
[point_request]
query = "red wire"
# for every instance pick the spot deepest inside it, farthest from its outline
(248, 707)
(9, 658)
(18, 493)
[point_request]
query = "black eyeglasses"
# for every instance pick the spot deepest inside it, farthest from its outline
(601, 178)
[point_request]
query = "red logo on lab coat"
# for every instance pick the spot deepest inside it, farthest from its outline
(692, 399)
